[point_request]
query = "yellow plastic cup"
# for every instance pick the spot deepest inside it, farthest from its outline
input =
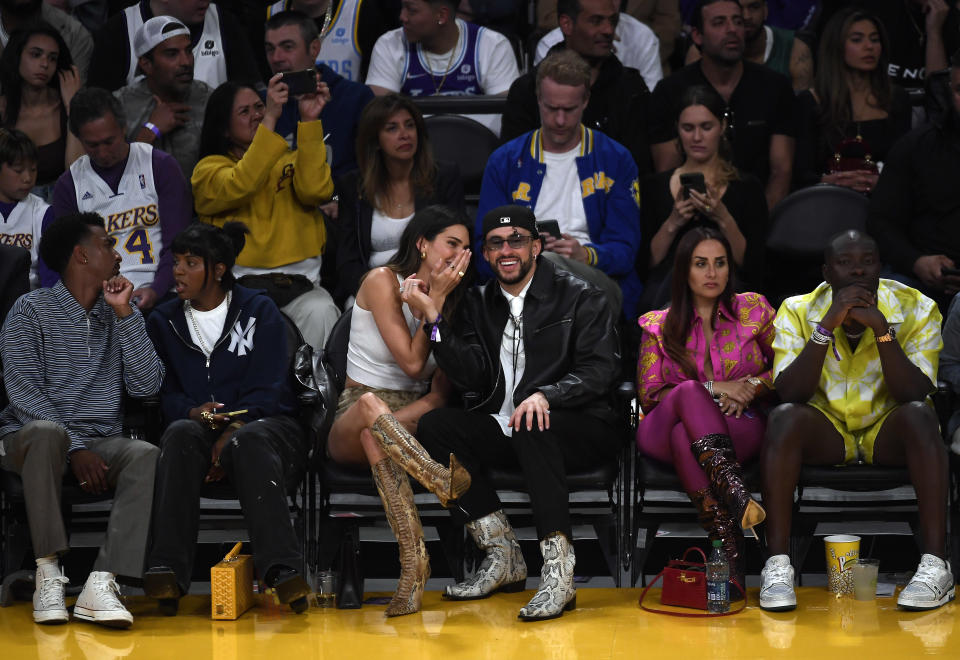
(843, 550)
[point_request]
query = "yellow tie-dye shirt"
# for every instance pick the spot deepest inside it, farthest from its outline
(852, 389)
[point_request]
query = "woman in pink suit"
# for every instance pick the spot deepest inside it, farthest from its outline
(702, 377)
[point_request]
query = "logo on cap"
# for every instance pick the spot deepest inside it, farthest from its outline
(504, 219)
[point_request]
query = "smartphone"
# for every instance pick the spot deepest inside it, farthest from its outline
(300, 82)
(551, 227)
(693, 181)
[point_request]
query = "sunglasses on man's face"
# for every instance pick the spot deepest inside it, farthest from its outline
(515, 242)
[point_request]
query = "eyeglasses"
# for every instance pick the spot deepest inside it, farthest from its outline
(515, 242)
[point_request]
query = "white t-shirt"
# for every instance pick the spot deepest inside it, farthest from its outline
(511, 376)
(559, 197)
(385, 235)
(497, 64)
(636, 46)
(209, 324)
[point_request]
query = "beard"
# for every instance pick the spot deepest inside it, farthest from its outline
(524, 268)
(21, 8)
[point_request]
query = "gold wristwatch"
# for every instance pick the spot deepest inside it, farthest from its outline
(889, 336)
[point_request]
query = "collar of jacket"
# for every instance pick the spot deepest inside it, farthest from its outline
(536, 143)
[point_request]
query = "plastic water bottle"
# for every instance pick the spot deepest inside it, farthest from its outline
(718, 577)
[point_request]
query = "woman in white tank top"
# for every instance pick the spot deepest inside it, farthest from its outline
(389, 367)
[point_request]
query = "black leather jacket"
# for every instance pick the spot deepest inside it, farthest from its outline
(571, 347)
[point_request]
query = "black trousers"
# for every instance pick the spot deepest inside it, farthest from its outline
(261, 460)
(574, 441)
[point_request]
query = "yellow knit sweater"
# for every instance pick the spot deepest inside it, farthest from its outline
(272, 189)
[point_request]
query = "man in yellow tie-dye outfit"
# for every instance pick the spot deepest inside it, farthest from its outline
(854, 363)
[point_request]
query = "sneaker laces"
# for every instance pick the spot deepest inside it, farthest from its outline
(927, 574)
(110, 590)
(50, 595)
(777, 574)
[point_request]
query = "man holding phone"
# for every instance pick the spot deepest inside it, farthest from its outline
(579, 176)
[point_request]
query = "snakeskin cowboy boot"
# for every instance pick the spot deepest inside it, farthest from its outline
(503, 567)
(557, 593)
(397, 497)
(716, 456)
(446, 483)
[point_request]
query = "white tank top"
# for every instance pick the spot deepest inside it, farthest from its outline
(209, 60)
(131, 216)
(22, 228)
(340, 50)
(369, 360)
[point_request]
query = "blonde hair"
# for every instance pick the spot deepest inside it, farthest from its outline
(566, 68)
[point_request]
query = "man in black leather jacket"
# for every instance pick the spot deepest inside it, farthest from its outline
(537, 353)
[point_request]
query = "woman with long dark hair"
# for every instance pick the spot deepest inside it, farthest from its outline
(397, 176)
(248, 173)
(392, 381)
(732, 202)
(854, 114)
(231, 413)
(39, 79)
(703, 373)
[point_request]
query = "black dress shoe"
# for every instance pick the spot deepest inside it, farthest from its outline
(290, 586)
(161, 582)
(168, 606)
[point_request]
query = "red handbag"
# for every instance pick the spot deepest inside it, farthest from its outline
(685, 585)
(852, 154)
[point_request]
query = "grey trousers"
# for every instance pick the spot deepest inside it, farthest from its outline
(38, 453)
(314, 314)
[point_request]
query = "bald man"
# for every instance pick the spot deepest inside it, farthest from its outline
(854, 363)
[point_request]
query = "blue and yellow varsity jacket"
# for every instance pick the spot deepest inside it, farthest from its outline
(608, 186)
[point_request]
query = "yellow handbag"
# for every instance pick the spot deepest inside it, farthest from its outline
(231, 585)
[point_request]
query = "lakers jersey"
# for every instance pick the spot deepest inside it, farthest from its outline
(209, 60)
(22, 228)
(131, 215)
(340, 49)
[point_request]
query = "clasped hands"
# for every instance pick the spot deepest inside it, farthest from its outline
(857, 304)
(734, 396)
(207, 416)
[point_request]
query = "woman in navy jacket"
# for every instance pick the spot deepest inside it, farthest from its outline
(229, 405)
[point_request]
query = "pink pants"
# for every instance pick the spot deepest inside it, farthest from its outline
(688, 412)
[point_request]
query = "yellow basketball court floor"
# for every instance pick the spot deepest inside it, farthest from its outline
(606, 624)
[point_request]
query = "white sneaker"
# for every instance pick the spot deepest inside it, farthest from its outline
(99, 602)
(776, 585)
(48, 605)
(930, 587)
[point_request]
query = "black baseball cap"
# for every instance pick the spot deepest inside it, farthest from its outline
(510, 215)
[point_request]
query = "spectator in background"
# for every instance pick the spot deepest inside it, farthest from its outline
(618, 96)
(397, 177)
(854, 114)
(15, 14)
(349, 29)
(140, 192)
(923, 34)
(23, 214)
(773, 46)
(220, 48)
(663, 16)
(571, 173)
(165, 107)
(636, 45)
(92, 14)
(791, 14)
(437, 54)
(38, 80)
(915, 208)
(291, 42)
(247, 172)
(760, 110)
(733, 203)
(950, 367)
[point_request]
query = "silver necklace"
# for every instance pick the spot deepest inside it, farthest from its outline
(188, 308)
(325, 30)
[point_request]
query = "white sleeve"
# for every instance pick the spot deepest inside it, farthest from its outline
(498, 64)
(641, 49)
(387, 61)
(550, 39)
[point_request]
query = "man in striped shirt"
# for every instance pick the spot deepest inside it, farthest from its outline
(69, 352)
